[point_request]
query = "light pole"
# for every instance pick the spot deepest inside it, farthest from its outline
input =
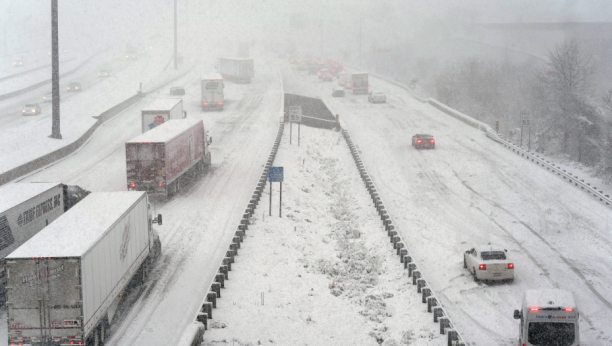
(55, 125)
(175, 43)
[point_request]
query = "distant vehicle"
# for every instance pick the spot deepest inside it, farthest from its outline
(18, 63)
(75, 86)
(327, 77)
(177, 90)
(302, 66)
(19, 220)
(131, 56)
(237, 70)
(293, 60)
(423, 141)
(490, 263)
(48, 97)
(548, 317)
(359, 83)
(321, 73)
(338, 92)
(69, 278)
(212, 92)
(377, 97)
(31, 109)
(157, 159)
(103, 73)
(161, 111)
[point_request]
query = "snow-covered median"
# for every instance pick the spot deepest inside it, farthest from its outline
(325, 273)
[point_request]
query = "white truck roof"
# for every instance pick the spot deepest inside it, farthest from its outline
(212, 76)
(162, 104)
(75, 232)
(14, 194)
(166, 132)
(358, 73)
(549, 298)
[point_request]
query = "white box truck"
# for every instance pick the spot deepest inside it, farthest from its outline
(548, 317)
(65, 283)
(237, 69)
(27, 208)
(212, 92)
(359, 83)
(160, 111)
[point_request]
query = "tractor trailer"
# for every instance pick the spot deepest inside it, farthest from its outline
(157, 159)
(359, 82)
(238, 70)
(160, 111)
(212, 92)
(65, 283)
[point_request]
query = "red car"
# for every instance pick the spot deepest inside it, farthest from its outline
(423, 141)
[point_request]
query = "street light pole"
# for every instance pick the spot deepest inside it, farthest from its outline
(55, 125)
(360, 41)
(175, 43)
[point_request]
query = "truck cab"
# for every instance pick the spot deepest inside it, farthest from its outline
(548, 317)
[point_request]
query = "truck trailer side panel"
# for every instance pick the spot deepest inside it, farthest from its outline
(184, 151)
(160, 111)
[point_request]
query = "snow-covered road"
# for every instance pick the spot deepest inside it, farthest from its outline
(469, 191)
(199, 222)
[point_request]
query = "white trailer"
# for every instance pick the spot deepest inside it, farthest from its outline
(212, 92)
(25, 209)
(548, 317)
(359, 82)
(237, 69)
(160, 111)
(64, 284)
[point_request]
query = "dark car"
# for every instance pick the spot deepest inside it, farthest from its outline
(103, 73)
(327, 77)
(423, 141)
(338, 92)
(75, 86)
(177, 90)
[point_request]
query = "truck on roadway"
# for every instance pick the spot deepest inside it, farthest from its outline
(160, 111)
(65, 283)
(548, 317)
(212, 92)
(359, 82)
(157, 159)
(27, 208)
(239, 70)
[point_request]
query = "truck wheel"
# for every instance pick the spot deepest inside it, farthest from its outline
(178, 186)
(464, 263)
(475, 277)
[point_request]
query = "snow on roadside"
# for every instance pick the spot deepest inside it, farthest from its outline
(324, 273)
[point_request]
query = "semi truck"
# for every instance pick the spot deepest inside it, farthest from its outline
(160, 111)
(64, 284)
(359, 81)
(157, 159)
(238, 69)
(548, 317)
(27, 208)
(212, 92)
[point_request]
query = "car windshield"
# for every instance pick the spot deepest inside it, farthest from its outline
(551, 334)
(30, 105)
(493, 255)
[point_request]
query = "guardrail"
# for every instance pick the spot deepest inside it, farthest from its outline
(60, 153)
(209, 302)
(434, 305)
(489, 132)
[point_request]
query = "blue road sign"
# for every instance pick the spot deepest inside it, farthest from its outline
(275, 174)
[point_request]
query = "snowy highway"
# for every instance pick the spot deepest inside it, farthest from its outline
(471, 191)
(199, 222)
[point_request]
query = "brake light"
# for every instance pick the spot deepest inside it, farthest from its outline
(534, 309)
(133, 186)
(220, 103)
(161, 184)
(510, 265)
(368, 87)
(569, 309)
(419, 141)
(431, 141)
(482, 267)
(205, 103)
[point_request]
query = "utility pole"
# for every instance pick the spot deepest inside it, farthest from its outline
(321, 26)
(175, 43)
(55, 125)
(360, 42)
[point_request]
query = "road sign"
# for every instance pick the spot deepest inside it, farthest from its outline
(295, 114)
(275, 174)
(525, 119)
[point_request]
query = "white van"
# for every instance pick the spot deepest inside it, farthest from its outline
(548, 317)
